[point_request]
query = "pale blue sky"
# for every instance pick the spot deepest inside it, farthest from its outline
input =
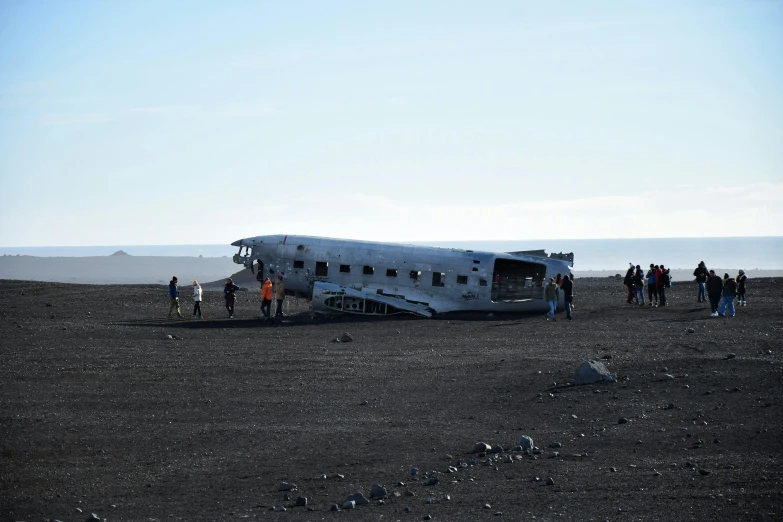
(165, 122)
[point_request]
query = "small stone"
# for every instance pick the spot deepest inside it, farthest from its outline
(622, 420)
(613, 469)
(550, 481)
(496, 448)
(556, 445)
(334, 507)
(280, 508)
(432, 481)
(414, 471)
(427, 517)
(691, 330)
(487, 506)
(378, 491)
(363, 403)
(349, 504)
(731, 356)
(346, 338)
(409, 493)
(285, 486)
(407, 509)
(168, 338)
(526, 442)
(301, 501)
(357, 498)
(704, 472)
(481, 447)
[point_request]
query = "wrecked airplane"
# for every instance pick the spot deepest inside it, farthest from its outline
(343, 276)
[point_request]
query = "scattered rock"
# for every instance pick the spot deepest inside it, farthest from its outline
(344, 338)
(334, 507)
(550, 481)
(301, 501)
(487, 506)
(357, 498)
(731, 356)
(496, 448)
(704, 472)
(280, 508)
(285, 486)
(481, 447)
(691, 330)
(349, 504)
(414, 471)
(378, 491)
(168, 338)
(555, 445)
(593, 371)
(526, 442)
(622, 420)
(432, 481)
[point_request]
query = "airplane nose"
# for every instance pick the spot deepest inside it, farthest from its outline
(238, 242)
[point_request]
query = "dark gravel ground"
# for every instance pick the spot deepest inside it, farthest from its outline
(101, 415)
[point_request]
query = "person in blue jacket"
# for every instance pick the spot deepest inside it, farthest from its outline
(174, 297)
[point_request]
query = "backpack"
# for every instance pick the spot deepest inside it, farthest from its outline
(667, 279)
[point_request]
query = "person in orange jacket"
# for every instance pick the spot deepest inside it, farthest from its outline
(266, 299)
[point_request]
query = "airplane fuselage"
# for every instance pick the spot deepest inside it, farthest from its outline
(365, 277)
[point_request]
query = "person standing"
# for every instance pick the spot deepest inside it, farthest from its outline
(638, 285)
(559, 280)
(550, 293)
(279, 296)
(701, 274)
(729, 293)
(266, 299)
(230, 294)
(663, 282)
(568, 295)
(714, 292)
(174, 297)
(741, 279)
(628, 282)
(652, 290)
(196, 299)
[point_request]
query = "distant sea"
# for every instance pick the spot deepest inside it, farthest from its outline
(590, 254)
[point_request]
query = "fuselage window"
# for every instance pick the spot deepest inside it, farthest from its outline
(345, 269)
(482, 282)
(321, 268)
(476, 261)
(415, 274)
(438, 278)
(391, 272)
(462, 280)
(298, 264)
(368, 270)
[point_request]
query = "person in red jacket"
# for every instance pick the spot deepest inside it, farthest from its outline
(266, 299)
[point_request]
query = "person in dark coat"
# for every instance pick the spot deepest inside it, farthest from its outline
(701, 273)
(714, 292)
(638, 286)
(729, 293)
(568, 295)
(628, 282)
(664, 278)
(230, 294)
(741, 279)
(174, 297)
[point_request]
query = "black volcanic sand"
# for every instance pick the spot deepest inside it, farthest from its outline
(101, 414)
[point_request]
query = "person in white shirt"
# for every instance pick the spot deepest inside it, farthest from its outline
(197, 298)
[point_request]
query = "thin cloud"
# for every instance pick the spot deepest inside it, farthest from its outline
(73, 118)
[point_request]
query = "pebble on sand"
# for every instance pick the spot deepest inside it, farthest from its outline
(593, 371)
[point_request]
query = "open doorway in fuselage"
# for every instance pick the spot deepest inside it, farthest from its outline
(260, 271)
(514, 280)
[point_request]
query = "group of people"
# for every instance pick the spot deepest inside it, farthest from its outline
(721, 292)
(230, 296)
(657, 279)
(551, 291)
